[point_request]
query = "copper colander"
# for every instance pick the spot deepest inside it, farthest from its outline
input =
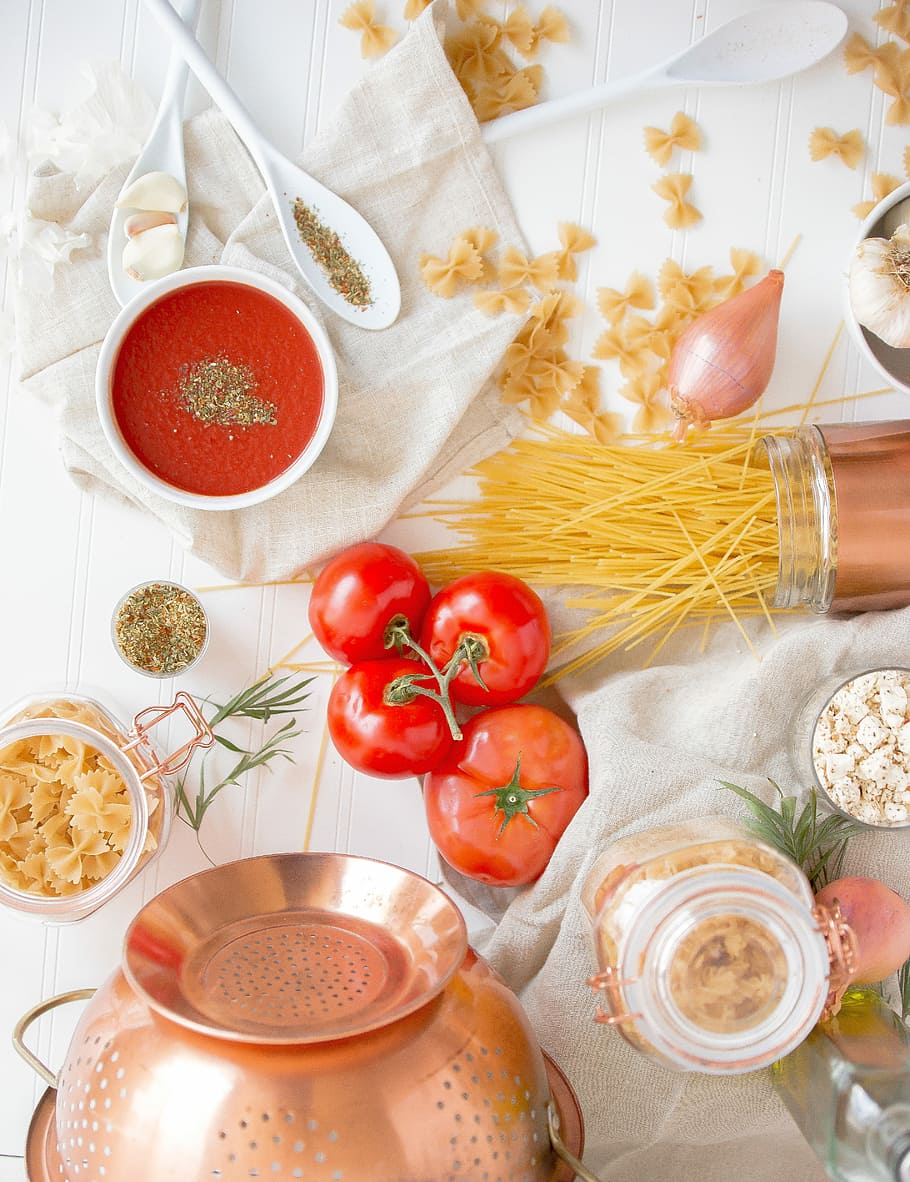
(303, 1016)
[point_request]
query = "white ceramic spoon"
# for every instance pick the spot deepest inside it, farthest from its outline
(285, 183)
(162, 152)
(760, 46)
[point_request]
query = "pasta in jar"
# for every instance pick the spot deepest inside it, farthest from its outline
(80, 802)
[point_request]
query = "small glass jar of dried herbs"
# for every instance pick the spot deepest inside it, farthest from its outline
(160, 629)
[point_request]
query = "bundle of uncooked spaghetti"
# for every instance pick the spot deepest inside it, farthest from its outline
(657, 536)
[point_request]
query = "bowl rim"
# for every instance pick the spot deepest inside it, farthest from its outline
(129, 314)
(855, 330)
(830, 689)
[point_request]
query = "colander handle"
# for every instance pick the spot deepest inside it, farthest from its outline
(563, 1152)
(33, 1015)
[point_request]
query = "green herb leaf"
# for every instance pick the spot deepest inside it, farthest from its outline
(267, 698)
(818, 846)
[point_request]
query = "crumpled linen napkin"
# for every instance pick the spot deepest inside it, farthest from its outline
(416, 404)
(659, 740)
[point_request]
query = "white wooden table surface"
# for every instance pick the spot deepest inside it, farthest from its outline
(65, 557)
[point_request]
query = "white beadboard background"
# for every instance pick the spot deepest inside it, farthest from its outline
(65, 558)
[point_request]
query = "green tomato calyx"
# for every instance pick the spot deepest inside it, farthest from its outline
(512, 800)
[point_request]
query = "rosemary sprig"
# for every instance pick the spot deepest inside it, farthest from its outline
(818, 846)
(265, 699)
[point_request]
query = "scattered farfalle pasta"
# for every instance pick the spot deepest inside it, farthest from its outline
(511, 90)
(516, 269)
(895, 19)
(375, 38)
(462, 265)
(882, 184)
(479, 53)
(573, 240)
(684, 134)
(746, 265)
(674, 188)
(647, 391)
(891, 71)
(413, 9)
(61, 829)
(638, 293)
(848, 148)
(582, 406)
(493, 302)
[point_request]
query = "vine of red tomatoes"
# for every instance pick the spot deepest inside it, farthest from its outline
(500, 790)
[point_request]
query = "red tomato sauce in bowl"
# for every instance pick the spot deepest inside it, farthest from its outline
(217, 388)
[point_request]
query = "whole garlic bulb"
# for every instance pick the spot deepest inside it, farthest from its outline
(880, 287)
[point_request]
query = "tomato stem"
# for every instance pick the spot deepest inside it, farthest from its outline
(512, 799)
(406, 688)
(471, 648)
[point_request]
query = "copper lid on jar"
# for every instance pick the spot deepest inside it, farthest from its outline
(870, 472)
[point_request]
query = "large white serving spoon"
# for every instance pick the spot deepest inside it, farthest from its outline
(763, 45)
(286, 183)
(162, 152)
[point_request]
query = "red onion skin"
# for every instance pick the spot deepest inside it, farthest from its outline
(722, 363)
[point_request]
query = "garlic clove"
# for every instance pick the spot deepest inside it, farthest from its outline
(154, 253)
(147, 219)
(154, 190)
(879, 285)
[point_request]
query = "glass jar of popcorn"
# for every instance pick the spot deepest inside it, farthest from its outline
(712, 954)
(85, 802)
(852, 737)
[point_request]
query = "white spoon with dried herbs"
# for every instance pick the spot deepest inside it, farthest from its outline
(338, 253)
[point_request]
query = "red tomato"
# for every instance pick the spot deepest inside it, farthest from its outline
(358, 592)
(501, 800)
(382, 738)
(507, 624)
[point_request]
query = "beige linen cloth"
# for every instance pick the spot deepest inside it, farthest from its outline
(415, 403)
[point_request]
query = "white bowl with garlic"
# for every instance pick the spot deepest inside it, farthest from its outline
(878, 289)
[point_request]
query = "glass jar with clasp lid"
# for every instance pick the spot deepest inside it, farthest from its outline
(85, 802)
(712, 954)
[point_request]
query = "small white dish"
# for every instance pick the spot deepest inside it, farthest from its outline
(892, 364)
(107, 360)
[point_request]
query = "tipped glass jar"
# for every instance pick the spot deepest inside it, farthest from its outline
(712, 955)
(843, 516)
(85, 803)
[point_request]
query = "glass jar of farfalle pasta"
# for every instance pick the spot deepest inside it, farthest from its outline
(85, 802)
(712, 954)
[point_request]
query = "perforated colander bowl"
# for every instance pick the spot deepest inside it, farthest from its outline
(303, 1016)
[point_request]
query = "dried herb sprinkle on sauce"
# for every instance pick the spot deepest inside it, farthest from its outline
(160, 628)
(343, 273)
(217, 390)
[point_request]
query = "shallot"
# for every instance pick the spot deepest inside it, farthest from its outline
(880, 920)
(723, 362)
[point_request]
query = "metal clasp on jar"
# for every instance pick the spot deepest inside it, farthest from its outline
(608, 982)
(143, 722)
(840, 940)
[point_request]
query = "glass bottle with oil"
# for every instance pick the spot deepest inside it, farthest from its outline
(848, 1089)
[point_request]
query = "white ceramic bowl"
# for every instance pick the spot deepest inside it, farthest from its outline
(108, 356)
(892, 364)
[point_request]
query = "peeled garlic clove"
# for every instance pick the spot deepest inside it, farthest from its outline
(880, 287)
(722, 363)
(147, 219)
(154, 253)
(154, 190)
